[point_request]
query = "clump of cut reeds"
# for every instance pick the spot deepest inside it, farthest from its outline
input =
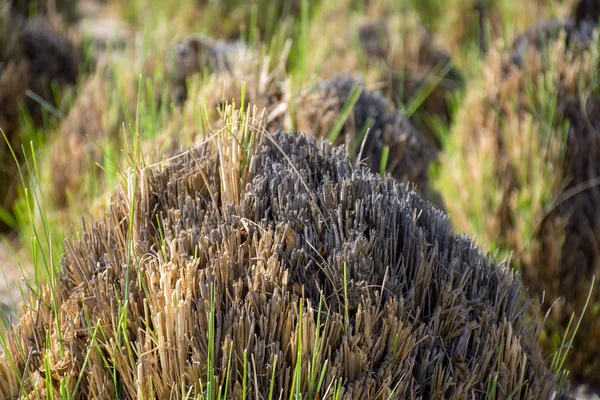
(420, 77)
(467, 25)
(521, 172)
(256, 19)
(36, 64)
(266, 265)
(217, 73)
(66, 9)
(587, 10)
(385, 43)
(344, 111)
(202, 55)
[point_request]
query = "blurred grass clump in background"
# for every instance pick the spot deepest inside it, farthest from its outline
(488, 107)
(38, 63)
(520, 172)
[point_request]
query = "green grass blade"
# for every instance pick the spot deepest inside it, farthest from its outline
(345, 113)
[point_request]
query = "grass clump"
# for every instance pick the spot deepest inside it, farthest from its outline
(370, 125)
(212, 74)
(385, 43)
(419, 76)
(265, 264)
(476, 25)
(257, 20)
(63, 9)
(521, 173)
(200, 55)
(37, 64)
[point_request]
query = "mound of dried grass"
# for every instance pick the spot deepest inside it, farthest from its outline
(260, 261)
(523, 173)
(465, 23)
(261, 17)
(587, 10)
(414, 66)
(385, 42)
(201, 55)
(211, 73)
(409, 152)
(51, 8)
(75, 150)
(35, 60)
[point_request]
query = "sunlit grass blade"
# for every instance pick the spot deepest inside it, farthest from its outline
(345, 113)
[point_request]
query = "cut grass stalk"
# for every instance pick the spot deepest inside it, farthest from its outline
(316, 352)
(346, 303)
(272, 386)
(245, 378)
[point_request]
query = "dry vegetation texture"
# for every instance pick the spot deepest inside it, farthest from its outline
(416, 71)
(258, 264)
(34, 58)
(236, 15)
(525, 167)
(482, 22)
(211, 73)
(388, 45)
(373, 124)
(64, 9)
(302, 265)
(199, 55)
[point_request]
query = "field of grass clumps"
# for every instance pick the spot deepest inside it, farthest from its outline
(215, 199)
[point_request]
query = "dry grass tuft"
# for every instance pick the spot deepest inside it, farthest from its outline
(54, 9)
(481, 23)
(214, 73)
(419, 75)
(587, 10)
(35, 61)
(372, 126)
(258, 261)
(72, 155)
(522, 173)
(202, 55)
